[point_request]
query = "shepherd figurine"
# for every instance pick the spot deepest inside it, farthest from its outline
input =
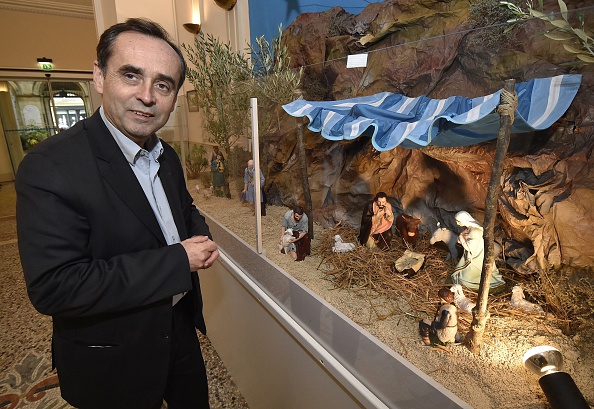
(444, 327)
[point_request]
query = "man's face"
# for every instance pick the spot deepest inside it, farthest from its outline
(297, 216)
(140, 85)
(381, 202)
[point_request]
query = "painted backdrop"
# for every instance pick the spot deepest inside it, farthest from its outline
(266, 15)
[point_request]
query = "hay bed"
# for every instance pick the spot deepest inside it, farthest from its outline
(368, 274)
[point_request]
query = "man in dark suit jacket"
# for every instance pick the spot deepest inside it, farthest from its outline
(110, 240)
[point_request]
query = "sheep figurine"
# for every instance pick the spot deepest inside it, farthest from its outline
(518, 301)
(286, 240)
(206, 193)
(340, 247)
(449, 238)
(460, 299)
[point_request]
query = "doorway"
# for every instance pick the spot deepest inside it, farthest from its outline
(33, 110)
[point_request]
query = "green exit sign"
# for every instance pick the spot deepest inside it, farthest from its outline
(46, 64)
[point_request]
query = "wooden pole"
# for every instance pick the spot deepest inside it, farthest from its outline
(304, 175)
(303, 167)
(480, 314)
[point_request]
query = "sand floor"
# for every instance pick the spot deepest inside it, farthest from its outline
(495, 378)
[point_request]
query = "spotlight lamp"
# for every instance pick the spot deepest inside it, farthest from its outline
(559, 387)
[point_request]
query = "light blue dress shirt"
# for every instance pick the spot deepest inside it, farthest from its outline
(145, 165)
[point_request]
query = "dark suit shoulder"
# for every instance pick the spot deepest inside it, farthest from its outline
(67, 139)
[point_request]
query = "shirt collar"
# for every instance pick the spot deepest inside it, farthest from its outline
(128, 147)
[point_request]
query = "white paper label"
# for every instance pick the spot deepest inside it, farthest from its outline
(357, 60)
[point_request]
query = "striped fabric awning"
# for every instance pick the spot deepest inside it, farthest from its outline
(394, 119)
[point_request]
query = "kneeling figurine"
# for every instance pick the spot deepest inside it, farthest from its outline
(444, 328)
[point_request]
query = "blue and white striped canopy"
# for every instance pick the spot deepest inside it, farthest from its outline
(393, 119)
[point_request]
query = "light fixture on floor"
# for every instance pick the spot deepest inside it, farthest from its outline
(559, 387)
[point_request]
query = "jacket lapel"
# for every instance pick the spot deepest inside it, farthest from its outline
(116, 171)
(168, 181)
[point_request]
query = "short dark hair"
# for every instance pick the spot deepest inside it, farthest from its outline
(298, 210)
(446, 294)
(380, 194)
(138, 25)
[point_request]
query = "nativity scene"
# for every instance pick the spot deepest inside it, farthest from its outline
(393, 164)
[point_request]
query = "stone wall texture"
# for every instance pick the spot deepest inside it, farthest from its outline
(546, 201)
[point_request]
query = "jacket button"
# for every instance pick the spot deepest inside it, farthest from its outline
(166, 335)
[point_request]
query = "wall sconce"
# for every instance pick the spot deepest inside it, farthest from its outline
(559, 387)
(194, 27)
(226, 4)
(46, 64)
(3, 86)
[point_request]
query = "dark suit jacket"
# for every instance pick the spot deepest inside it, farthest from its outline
(95, 259)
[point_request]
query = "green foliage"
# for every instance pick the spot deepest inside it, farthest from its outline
(31, 136)
(225, 81)
(240, 156)
(274, 82)
(580, 42)
(487, 17)
(273, 79)
(196, 160)
(220, 77)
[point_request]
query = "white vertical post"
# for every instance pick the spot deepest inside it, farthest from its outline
(257, 184)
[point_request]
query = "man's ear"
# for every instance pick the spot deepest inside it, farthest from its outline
(97, 77)
(173, 105)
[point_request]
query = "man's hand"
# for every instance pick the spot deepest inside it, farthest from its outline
(201, 251)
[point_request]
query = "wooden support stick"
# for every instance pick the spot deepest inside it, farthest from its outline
(480, 313)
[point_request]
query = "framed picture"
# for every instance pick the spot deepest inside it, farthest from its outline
(192, 101)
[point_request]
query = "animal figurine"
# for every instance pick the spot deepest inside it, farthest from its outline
(518, 301)
(340, 246)
(408, 227)
(449, 238)
(206, 193)
(286, 240)
(463, 303)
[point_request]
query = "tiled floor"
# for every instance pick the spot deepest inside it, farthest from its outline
(26, 379)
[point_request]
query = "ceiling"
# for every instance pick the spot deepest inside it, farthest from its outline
(71, 8)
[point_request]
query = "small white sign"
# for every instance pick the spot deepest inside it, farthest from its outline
(357, 60)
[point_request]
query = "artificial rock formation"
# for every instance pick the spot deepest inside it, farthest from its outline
(546, 204)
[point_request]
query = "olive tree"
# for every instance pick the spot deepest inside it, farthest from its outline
(221, 77)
